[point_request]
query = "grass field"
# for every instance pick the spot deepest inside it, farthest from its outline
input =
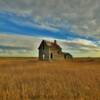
(30, 79)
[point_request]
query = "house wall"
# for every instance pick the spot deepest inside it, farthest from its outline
(56, 55)
(44, 53)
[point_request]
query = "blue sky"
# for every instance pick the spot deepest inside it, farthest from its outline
(76, 28)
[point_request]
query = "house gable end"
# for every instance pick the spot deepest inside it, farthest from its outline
(43, 44)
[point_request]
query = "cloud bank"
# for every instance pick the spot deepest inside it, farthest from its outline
(27, 46)
(82, 15)
(76, 22)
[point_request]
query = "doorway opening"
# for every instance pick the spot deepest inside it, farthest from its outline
(51, 56)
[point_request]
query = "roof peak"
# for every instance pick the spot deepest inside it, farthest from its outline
(55, 41)
(51, 43)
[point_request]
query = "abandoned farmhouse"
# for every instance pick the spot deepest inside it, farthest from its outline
(52, 51)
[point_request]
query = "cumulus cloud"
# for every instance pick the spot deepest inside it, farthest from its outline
(81, 47)
(82, 15)
(18, 45)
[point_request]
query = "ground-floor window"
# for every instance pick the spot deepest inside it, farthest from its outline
(43, 56)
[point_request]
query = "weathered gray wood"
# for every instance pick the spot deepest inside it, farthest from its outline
(52, 51)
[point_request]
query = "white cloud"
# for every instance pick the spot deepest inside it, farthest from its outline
(82, 42)
(82, 14)
(28, 46)
(85, 42)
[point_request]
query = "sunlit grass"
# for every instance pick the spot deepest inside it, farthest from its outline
(30, 79)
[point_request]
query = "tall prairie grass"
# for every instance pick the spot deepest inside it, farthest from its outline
(30, 79)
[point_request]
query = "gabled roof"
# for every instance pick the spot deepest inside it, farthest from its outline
(50, 44)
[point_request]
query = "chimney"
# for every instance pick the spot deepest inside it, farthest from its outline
(55, 42)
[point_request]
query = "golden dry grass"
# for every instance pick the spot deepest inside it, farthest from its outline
(30, 79)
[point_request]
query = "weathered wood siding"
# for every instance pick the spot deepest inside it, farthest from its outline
(44, 53)
(56, 54)
(51, 52)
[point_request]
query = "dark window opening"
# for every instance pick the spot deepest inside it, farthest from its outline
(51, 56)
(64, 56)
(58, 52)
